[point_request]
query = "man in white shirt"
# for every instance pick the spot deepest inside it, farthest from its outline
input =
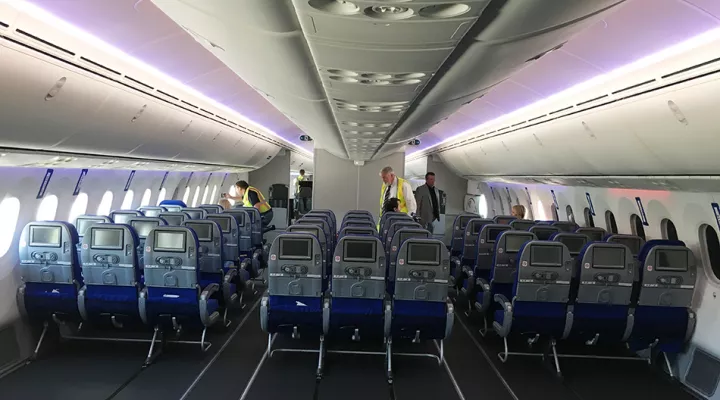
(394, 186)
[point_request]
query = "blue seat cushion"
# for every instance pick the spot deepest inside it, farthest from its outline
(532, 317)
(429, 317)
(287, 312)
(348, 314)
(120, 301)
(609, 321)
(183, 304)
(42, 300)
(668, 324)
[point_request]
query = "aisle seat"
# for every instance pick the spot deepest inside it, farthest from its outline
(400, 236)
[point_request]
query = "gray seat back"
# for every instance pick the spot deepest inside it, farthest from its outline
(634, 243)
(152, 211)
(504, 219)
(250, 225)
(196, 212)
(359, 268)
(329, 213)
(173, 208)
(384, 217)
(565, 226)
(359, 223)
(244, 229)
(606, 274)
(48, 253)
(573, 241)
(544, 232)
(349, 230)
(507, 251)
(123, 216)
(142, 227)
(174, 218)
(396, 227)
(458, 232)
(668, 277)
(324, 216)
(211, 208)
(400, 236)
(422, 271)
(209, 235)
(522, 224)
(230, 235)
(172, 259)
(390, 221)
(109, 256)
(83, 222)
(489, 234)
(594, 234)
(544, 272)
(358, 217)
(472, 234)
(295, 267)
(322, 222)
(319, 233)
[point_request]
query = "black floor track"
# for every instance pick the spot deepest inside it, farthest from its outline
(237, 368)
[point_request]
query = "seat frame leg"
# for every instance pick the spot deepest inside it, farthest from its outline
(441, 360)
(553, 348)
(321, 358)
(503, 356)
(152, 355)
(203, 347)
(484, 330)
(40, 341)
(388, 360)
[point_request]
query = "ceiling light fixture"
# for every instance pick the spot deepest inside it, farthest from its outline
(683, 47)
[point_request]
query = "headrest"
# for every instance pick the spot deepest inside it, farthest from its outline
(177, 203)
(565, 226)
(575, 242)
(635, 243)
(544, 232)
(328, 212)
(115, 215)
(522, 224)
(650, 244)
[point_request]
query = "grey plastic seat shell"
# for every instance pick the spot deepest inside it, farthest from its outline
(211, 208)
(522, 224)
(176, 269)
(565, 226)
(393, 220)
(395, 243)
(317, 221)
(294, 277)
(125, 214)
(504, 219)
(505, 266)
(244, 227)
(411, 279)
(171, 217)
(152, 211)
(97, 219)
(158, 220)
(47, 264)
(230, 237)
(210, 251)
(396, 227)
(458, 231)
(598, 285)
(350, 230)
(668, 287)
(634, 243)
(358, 279)
(544, 232)
(594, 233)
(193, 210)
(113, 267)
(317, 232)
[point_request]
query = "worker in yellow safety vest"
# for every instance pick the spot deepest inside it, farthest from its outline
(252, 197)
(300, 178)
(396, 187)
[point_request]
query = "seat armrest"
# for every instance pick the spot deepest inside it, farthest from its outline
(388, 318)
(569, 319)
(206, 294)
(264, 308)
(81, 303)
(229, 294)
(503, 329)
(450, 317)
(142, 305)
(483, 287)
(326, 316)
(692, 320)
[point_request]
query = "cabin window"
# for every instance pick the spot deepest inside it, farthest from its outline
(205, 194)
(570, 215)
(145, 201)
(186, 196)
(711, 249)
(214, 199)
(541, 211)
(554, 213)
(79, 207)
(589, 220)
(232, 192)
(47, 209)
(637, 226)
(482, 206)
(161, 196)
(9, 212)
(196, 196)
(105, 204)
(610, 223)
(127, 201)
(668, 230)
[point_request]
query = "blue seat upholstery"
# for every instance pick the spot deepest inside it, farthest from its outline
(393, 248)
(142, 227)
(522, 224)
(602, 309)
(174, 218)
(663, 313)
(50, 271)
(173, 296)
(469, 254)
(123, 216)
(195, 212)
(503, 272)
(211, 208)
(484, 260)
(358, 306)
(295, 301)
(112, 276)
(544, 232)
(421, 308)
(540, 293)
(173, 205)
(504, 219)
(152, 211)
(594, 234)
(212, 267)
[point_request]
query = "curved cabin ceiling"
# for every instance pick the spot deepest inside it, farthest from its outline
(364, 77)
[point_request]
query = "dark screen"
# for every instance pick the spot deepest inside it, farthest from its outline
(143, 228)
(632, 242)
(175, 220)
(358, 223)
(513, 243)
(81, 224)
(45, 236)
(606, 257)
(152, 212)
(574, 244)
(355, 232)
(505, 220)
(109, 239)
(547, 256)
(122, 218)
(477, 227)
(565, 226)
(595, 236)
(424, 253)
(169, 241)
(312, 231)
(672, 260)
(544, 233)
(194, 214)
(203, 231)
(522, 225)
(493, 234)
(359, 251)
(295, 249)
(223, 222)
(407, 235)
(464, 221)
